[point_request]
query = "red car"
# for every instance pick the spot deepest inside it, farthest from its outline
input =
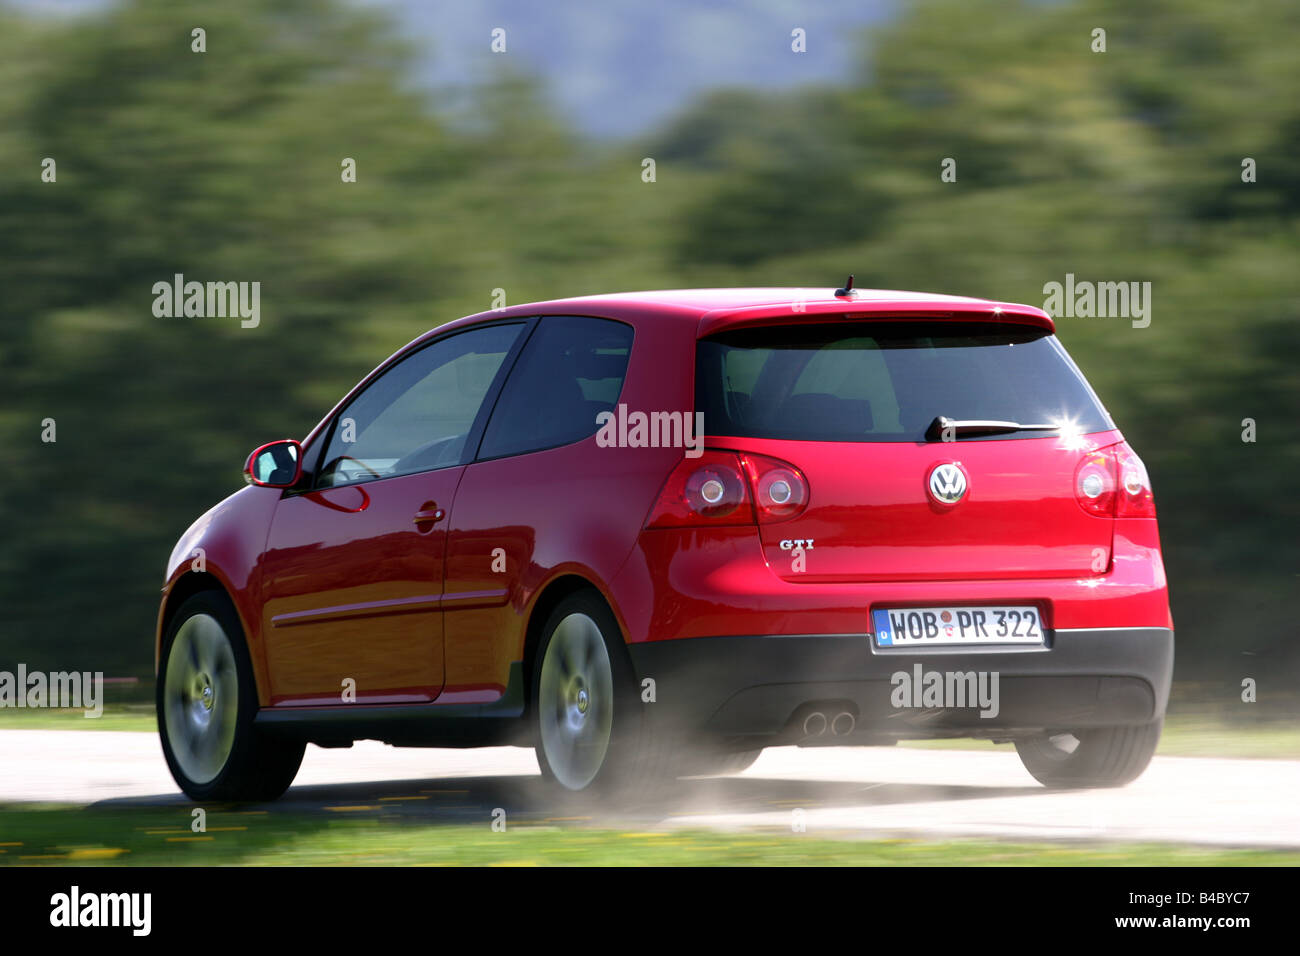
(651, 534)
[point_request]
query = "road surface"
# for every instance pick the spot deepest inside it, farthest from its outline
(864, 792)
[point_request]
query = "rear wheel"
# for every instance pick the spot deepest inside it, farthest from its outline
(206, 702)
(593, 733)
(1100, 757)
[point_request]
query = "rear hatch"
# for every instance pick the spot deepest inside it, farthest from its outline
(854, 404)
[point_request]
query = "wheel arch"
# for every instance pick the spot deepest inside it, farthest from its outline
(548, 598)
(185, 587)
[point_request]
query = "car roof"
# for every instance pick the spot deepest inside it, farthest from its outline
(714, 309)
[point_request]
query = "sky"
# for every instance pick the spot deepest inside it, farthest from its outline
(618, 68)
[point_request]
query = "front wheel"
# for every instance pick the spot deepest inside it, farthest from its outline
(1100, 757)
(206, 701)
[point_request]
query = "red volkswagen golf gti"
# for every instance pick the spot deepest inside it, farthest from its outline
(652, 534)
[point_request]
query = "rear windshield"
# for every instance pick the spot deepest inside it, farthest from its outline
(887, 381)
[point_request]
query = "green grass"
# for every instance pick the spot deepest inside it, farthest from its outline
(130, 717)
(1184, 736)
(162, 836)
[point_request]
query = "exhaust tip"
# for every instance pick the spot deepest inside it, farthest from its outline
(843, 724)
(814, 725)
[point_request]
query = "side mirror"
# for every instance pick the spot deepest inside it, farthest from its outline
(276, 464)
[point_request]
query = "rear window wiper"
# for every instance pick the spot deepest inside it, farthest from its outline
(960, 427)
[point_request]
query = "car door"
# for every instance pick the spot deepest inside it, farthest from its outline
(353, 567)
(541, 495)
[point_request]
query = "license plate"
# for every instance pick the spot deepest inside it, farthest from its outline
(937, 626)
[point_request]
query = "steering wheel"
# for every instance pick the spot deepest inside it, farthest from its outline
(434, 454)
(332, 468)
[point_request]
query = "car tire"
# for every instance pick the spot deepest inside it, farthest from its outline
(1099, 757)
(593, 734)
(206, 701)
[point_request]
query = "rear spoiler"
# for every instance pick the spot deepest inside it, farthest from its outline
(830, 310)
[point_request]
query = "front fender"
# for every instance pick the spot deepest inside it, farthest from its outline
(224, 547)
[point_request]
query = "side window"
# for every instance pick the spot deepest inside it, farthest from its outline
(418, 414)
(570, 371)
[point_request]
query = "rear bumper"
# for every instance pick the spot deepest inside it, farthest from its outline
(763, 686)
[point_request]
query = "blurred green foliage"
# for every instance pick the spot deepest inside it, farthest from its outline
(1115, 166)
(375, 835)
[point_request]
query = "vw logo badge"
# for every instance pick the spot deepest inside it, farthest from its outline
(947, 483)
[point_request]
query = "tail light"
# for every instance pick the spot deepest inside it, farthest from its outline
(780, 489)
(729, 488)
(709, 490)
(1094, 483)
(1113, 482)
(1135, 497)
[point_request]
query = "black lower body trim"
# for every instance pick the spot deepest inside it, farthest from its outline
(763, 687)
(407, 725)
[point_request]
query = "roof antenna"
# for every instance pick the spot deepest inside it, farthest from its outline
(848, 288)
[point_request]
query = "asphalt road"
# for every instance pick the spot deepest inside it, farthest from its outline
(838, 791)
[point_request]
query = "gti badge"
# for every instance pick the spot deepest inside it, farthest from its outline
(947, 483)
